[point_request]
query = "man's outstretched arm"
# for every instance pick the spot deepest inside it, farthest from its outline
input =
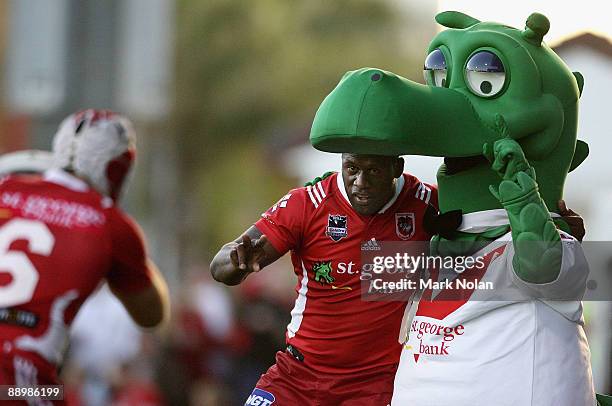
(248, 253)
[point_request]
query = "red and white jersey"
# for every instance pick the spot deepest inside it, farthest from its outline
(504, 347)
(332, 326)
(58, 240)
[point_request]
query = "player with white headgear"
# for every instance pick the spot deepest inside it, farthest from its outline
(98, 146)
(75, 237)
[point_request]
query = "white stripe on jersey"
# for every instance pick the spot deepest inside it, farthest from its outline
(321, 190)
(423, 193)
(297, 314)
(316, 193)
(309, 190)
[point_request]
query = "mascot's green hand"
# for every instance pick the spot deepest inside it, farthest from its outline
(318, 179)
(507, 158)
(537, 244)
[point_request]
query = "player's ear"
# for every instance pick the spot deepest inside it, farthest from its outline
(398, 167)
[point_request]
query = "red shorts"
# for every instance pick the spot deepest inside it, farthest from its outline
(289, 382)
(23, 369)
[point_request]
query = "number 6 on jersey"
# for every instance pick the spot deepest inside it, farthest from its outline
(17, 264)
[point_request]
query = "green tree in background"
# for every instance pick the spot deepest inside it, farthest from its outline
(246, 67)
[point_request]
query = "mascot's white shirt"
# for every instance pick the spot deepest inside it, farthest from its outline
(489, 350)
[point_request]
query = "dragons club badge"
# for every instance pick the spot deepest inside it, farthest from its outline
(336, 227)
(404, 225)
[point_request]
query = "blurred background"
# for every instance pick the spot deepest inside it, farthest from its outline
(222, 93)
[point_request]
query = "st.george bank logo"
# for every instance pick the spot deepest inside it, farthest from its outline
(260, 397)
(433, 338)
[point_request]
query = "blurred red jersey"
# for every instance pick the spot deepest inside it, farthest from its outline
(335, 330)
(58, 240)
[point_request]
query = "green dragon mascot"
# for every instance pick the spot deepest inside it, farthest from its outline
(501, 108)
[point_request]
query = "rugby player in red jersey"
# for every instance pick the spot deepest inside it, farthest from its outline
(340, 349)
(61, 235)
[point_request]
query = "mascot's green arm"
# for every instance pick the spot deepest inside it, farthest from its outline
(537, 244)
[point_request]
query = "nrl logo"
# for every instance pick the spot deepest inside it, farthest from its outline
(404, 225)
(336, 227)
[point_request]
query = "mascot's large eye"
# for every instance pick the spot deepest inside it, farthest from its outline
(485, 74)
(435, 69)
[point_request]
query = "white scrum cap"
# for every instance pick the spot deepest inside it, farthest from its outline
(98, 146)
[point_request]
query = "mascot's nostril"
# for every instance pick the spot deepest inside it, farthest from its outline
(376, 77)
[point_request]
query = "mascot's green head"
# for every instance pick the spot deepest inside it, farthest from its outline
(485, 81)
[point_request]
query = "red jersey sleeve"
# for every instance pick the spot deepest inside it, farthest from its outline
(282, 223)
(129, 270)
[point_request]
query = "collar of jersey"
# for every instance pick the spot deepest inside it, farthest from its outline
(63, 178)
(480, 221)
(399, 185)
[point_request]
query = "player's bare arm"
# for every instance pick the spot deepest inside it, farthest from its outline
(151, 306)
(248, 253)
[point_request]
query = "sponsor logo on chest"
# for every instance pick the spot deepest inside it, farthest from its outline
(323, 273)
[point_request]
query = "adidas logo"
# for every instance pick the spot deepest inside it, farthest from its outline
(370, 245)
